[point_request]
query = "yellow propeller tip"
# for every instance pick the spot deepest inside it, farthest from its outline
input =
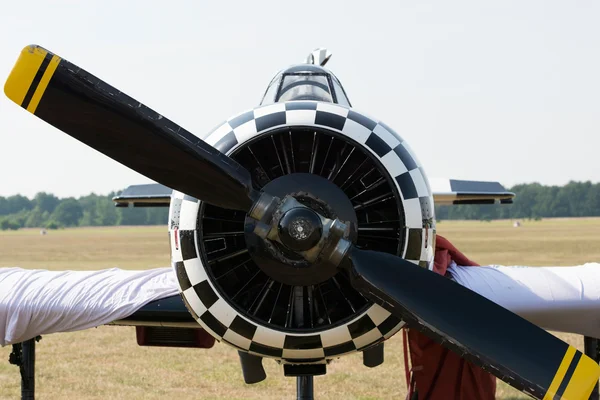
(30, 76)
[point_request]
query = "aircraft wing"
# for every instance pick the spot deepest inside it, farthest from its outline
(455, 191)
(150, 195)
(445, 192)
(166, 312)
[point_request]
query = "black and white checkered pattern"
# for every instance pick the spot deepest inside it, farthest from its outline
(226, 324)
(219, 318)
(394, 153)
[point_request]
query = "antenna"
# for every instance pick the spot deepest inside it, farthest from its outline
(319, 56)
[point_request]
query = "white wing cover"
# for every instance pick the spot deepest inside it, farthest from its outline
(37, 302)
(564, 299)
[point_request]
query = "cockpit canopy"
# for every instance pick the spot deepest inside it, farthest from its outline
(305, 82)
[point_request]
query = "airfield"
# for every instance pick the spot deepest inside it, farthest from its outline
(107, 363)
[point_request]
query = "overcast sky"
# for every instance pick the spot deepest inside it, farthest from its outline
(492, 90)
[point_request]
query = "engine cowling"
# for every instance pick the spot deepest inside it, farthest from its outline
(266, 301)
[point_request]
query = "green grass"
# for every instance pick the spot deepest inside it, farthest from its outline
(106, 362)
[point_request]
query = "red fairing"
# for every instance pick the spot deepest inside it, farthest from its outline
(438, 373)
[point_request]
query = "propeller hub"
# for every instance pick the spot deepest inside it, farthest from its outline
(300, 229)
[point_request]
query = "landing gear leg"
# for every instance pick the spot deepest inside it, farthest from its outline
(23, 356)
(305, 387)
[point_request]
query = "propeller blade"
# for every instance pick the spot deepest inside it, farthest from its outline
(490, 336)
(97, 114)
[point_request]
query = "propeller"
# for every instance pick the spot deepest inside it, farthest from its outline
(481, 331)
(97, 114)
(86, 108)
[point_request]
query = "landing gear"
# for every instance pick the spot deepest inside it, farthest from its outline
(253, 372)
(305, 389)
(23, 356)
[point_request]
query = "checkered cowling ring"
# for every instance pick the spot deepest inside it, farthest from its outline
(224, 321)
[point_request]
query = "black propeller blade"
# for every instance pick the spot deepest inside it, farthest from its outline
(97, 114)
(506, 345)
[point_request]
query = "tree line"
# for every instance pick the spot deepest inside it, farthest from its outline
(534, 201)
(45, 210)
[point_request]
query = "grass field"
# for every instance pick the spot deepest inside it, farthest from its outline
(106, 363)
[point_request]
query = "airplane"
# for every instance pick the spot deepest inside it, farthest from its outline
(301, 230)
